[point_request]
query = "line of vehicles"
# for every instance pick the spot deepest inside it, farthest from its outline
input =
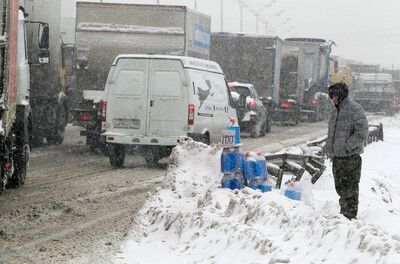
(175, 87)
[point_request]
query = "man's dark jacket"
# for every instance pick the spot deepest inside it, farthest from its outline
(347, 130)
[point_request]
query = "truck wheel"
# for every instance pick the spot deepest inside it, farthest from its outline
(21, 167)
(21, 155)
(117, 155)
(57, 136)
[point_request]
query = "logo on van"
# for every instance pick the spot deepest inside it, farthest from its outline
(204, 94)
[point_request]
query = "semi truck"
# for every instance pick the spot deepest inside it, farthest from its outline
(15, 110)
(245, 58)
(105, 30)
(252, 59)
(49, 81)
(305, 79)
(375, 92)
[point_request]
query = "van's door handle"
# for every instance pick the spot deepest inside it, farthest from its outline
(151, 103)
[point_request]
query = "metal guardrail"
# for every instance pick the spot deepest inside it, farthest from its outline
(312, 159)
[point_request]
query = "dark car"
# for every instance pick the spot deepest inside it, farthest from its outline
(252, 115)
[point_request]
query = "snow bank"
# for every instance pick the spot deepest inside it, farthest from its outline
(191, 220)
(117, 28)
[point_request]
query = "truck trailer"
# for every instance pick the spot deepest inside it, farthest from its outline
(49, 95)
(305, 79)
(254, 59)
(375, 92)
(105, 30)
(15, 110)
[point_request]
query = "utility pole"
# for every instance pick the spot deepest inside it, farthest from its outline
(195, 4)
(222, 15)
(257, 23)
(241, 18)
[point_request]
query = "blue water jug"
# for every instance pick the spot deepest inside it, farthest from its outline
(235, 127)
(231, 160)
(293, 192)
(249, 168)
(261, 167)
(260, 184)
(232, 181)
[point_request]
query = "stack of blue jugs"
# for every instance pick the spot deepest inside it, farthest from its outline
(256, 172)
(293, 190)
(232, 159)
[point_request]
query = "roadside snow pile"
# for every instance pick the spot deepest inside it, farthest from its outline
(192, 220)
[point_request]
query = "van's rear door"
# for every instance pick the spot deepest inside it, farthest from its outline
(127, 105)
(168, 99)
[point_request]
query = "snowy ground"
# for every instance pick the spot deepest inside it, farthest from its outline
(191, 220)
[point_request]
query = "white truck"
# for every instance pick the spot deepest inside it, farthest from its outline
(14, 94)
(105, 30)
(375, 92)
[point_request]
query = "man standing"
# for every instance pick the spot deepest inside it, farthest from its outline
(347, 135)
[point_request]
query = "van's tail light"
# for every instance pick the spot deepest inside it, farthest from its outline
(285, 105)
(313, 102)
(84, 116)
(103, 111)
(191, 114)
(252, 103)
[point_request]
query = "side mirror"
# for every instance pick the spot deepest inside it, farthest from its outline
(43, 36)
(235, 96)
(43, 43)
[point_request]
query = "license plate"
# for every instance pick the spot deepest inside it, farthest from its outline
(127, 123)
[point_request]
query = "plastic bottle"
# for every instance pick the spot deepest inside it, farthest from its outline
(261, 168)
(293, 191)
(234, 127)
(250, 167)
(231, 160)
(232, 181)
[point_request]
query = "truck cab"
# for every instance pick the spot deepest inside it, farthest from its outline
(15, 111)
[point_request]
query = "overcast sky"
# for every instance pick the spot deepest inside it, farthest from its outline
(367, 31)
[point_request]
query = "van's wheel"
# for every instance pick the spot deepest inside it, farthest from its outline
(152, 156)
(205, 139)
(117, 155)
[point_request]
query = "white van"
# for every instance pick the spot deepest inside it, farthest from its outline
(156, 101)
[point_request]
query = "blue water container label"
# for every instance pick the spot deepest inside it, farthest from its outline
(235, 127)
(294, 194)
